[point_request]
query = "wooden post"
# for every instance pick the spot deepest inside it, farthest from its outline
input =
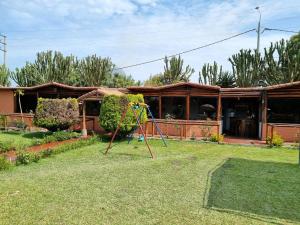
(219, 114)
(84, 130)
(187, 116)
(160, 112)
(264, 114)
(219, 111)
(152, 129)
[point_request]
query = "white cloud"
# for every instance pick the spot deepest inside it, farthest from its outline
(122, 30)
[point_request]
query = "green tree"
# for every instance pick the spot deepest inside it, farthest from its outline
(48, 66)
(214, 75)
(154, 81)
(112, 109)
(247, 66)
(122, 80)
(282, 62)
(4, 76)
(175, 72)
(96, 71)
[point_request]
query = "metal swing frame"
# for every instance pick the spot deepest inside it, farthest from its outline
(134, 106)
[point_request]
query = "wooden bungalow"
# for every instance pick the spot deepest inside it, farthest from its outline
(182, 110)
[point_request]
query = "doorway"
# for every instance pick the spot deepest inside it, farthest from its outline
(240, 117)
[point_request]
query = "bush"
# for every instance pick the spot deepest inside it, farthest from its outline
(56, 114)
(6, 146)
(216, 138)
(112, 109)
(56, 136)
(276, 141)
(4, 163)
(23, 157)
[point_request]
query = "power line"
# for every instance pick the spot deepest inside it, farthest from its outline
(282, 30)
(187, 51)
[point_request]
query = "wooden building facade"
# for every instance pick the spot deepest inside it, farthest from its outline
(183, 110)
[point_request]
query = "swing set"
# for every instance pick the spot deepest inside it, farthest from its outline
(133, 106)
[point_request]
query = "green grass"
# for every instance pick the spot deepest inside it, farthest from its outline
(19, 139)
(127, 187)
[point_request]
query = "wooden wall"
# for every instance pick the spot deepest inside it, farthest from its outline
(7, 101)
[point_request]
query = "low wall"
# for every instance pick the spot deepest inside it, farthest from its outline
(289, 132)
(183, 129)
(92, 122)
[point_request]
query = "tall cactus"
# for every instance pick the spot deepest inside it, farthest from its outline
(214, 75)
(282, 62)
(247, 68)
(175, 72)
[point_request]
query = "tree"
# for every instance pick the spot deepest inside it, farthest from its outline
(247, 68)
(96, 71)
(122, 80)
(56, 114)
(155, 80)
(55, 67)
(214, 75)
(282, 62)
(175, 72)
(4, 76)
(112, 109)
(48, 66)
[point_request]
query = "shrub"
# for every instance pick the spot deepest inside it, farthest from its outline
(56, 136)
(4, 163)
(275, 141)
(6, 146)
(56, 114)
(112, 109)
(46, 153)
(23, 157)
(216, 138)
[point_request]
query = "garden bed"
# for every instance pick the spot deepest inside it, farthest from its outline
(11, 155)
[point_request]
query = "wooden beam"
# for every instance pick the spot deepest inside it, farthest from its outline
(160, 112)
(84, 130)
(187, 116)
(219, 110)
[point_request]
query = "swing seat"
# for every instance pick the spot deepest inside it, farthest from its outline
(141, 138)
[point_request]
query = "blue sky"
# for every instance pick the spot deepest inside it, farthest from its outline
(133, 31)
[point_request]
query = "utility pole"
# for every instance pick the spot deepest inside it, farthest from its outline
(3, 49)
(258, 30)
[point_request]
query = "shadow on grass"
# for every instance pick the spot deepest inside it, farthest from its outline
(38, 135)
(255, 188)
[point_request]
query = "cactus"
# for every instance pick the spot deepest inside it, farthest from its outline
(214, 75)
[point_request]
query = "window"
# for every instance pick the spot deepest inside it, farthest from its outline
(28, 103)
(153, 103)
(203, 108)
(173, 107)
(284, 110)
(92, 108)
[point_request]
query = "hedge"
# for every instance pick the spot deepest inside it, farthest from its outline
(111, 111)
(56, 114)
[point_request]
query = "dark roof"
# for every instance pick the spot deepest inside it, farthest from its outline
(195, 85)
(286, 85)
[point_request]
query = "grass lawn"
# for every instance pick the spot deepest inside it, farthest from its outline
(188, 183)
(20, 139)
